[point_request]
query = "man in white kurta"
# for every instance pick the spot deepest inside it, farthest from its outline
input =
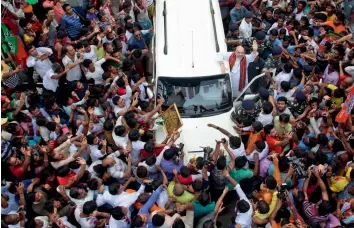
(235, 71)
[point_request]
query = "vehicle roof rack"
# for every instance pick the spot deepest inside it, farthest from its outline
(214, 27)
(164, 13)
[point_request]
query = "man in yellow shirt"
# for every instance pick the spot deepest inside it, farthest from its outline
(331, 16)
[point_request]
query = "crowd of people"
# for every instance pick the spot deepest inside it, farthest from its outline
(78, 147)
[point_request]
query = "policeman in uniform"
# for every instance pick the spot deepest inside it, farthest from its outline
(263, 97)
(264, 46)
(245, 114)
(274, 61)
(298, 105)
(232, 37)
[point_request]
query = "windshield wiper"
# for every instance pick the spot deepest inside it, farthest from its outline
(195, 115)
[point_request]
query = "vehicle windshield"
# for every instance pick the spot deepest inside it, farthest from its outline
(196, 96)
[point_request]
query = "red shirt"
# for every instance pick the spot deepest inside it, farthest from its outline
(185, 180)
(156, 151)
(18, 172)
(65, 180)
(271, 141)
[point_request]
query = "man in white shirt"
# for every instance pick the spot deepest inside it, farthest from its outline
(89, 51)
(116, 167)
(51, 78)
(244, 210)
(238, 63)
(71, 59)
(93, 142)
(136, 145)
(117, 196)
(121, 217)
(246, 25)
(285, 75)
(38, 58)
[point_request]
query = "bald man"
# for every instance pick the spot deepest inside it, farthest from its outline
(346, 83)
(238, 63)
(116, 167)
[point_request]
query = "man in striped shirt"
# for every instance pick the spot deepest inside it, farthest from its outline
(71, 22)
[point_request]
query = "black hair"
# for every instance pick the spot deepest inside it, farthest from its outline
(74, 165)
(86, 63)
(299, 153)
(117, 213)
(51, 126)
(41, 121)
(282, 99)
(285, 85)
(257, 126)
(134, 135)
(137, 222)
(170, 153)
(74, 192)
(30, 223)
(158, 220)
(263, 207)
(197, 186)
(30, 197)
(132, 122)
(338, 93)
(141, 172)
(270, 182)
(204, 199)
(178, 223)
(92, 184)
(337, 145)
(151, 160)
(267, 107)
(240, 162)
(119, 130)
(65, 6)
(274, 32)
(243, 206)
(283, 164)
(113, 188)
(235, 142)
(221, 163)
(288, 67)
(149, 146)
(284, 118)
(108, 125)
(90, 139)
(23, 22)
(184, 171)
(63, 171)
(260, 145)
(324, 208)
(89, 207)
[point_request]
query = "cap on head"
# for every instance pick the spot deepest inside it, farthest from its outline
(300, 96)
(263, 93)
(248, 105)
(233, 27)
(248, 14)
(260, 35)
(277, 50)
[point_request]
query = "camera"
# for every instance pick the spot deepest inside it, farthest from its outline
(179, 153)
(282, 191)
(299, 166)
(207, 151)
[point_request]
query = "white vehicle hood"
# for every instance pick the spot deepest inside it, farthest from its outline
(196, 134)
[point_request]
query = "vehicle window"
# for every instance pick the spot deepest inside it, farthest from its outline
(197, 96)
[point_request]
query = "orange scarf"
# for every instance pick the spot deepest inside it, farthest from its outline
(243, 70)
